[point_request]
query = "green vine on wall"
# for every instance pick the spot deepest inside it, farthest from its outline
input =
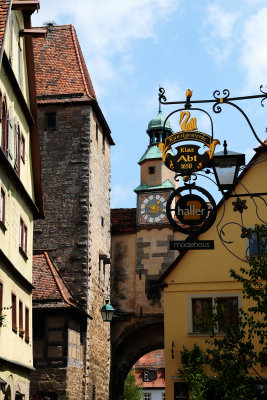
(192, 372)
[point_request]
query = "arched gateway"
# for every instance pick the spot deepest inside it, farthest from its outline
(139, 337)
(140, 254)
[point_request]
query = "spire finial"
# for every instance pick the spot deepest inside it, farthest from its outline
(159, 107)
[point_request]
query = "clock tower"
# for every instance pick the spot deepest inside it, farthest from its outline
(157, 181)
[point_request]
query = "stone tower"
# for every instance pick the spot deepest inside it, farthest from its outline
(75, 145)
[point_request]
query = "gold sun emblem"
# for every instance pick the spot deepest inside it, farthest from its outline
(154, 208)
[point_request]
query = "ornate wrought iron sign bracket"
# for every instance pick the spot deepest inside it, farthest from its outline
(218, 99)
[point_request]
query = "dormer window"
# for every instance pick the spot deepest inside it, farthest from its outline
(151, 170)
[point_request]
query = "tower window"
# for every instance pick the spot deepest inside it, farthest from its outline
(51, 121)
(151, 170)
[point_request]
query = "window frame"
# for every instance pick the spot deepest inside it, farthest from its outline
(149, 394)
(151, 170)
(257, 244)
(22, 147)
(2, 206)
(213, 296)
(17, 149)
(21, 330)
(54, 127)
(27, 324)
(4, 128)
(14, 312)
(23, 237)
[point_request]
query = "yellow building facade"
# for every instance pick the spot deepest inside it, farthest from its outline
(204, 275)
(20, 196)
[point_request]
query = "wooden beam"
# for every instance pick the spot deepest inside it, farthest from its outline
(33, 32)
(25, 5)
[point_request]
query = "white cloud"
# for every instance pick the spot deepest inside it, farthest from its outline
(254, 49)
(107, 27)
(220, 35)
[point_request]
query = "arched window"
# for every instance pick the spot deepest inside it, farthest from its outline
(4, 138)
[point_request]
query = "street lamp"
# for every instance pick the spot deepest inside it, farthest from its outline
(226, 165)
(107, 311)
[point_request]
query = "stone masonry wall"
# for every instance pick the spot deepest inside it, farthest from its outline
(98, 355)
(65, 180)
(76, 230)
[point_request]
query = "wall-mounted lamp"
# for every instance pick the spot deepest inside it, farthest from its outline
(107, 311)
(226, 165)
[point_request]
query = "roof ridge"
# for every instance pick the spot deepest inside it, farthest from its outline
(75, 39)
(55, 273)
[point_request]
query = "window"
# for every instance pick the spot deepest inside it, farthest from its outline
(257, 245)
(51, 121)
(147, 396)
(21, 331)
(17, 149)
(228, 312)
(151, 170)
(149, 375)
(102, 221)
(14, 311)
(163, 396)
(2, 206)
(202, 309)
(4, 127)
(10, 135)
(22, 148)
(23, 236)
(27, 325)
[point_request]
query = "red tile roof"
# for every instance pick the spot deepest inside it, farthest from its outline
(123, 220)
(61, 72)
(49, 291)
(154, 359)
(4, 12)
(60, 66)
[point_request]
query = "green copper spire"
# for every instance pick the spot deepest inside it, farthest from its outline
(156, 135)
(155, 128)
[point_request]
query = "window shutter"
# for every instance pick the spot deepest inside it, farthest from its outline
(10, 134)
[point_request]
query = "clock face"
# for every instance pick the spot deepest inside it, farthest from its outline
(153, 208)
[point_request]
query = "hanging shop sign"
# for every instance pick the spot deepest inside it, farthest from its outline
(188, 159)
(192, 212)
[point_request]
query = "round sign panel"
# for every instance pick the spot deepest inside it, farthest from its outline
(191, 210)
(191, 213)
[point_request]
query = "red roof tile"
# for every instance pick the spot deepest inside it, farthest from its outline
(60, 66)
(4, 11)
(49, 287)
(123, 220)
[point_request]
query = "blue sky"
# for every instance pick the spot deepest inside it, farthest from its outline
(133, 46)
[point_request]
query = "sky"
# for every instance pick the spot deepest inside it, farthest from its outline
(131, 47)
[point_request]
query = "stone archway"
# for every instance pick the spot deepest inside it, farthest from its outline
(137, 339)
